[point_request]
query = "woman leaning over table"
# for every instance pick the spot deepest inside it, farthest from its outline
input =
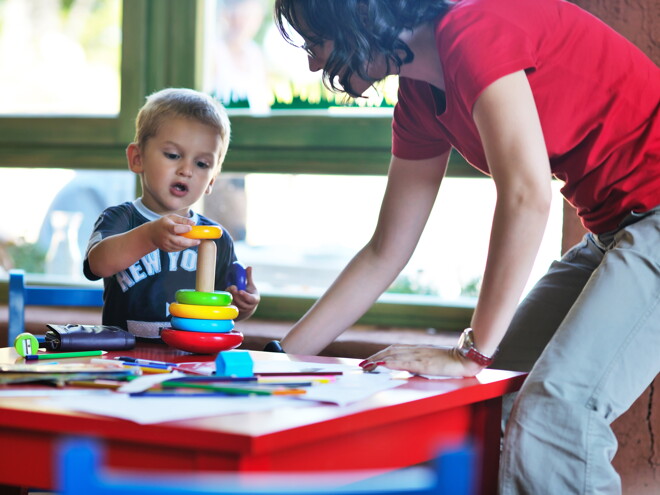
(524, 90)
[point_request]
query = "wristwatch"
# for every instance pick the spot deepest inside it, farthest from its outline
(467, 349)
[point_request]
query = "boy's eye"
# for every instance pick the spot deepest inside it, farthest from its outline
(171, 156)
(203, 165)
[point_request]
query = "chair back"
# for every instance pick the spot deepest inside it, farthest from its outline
(81, 473)
(21, 295)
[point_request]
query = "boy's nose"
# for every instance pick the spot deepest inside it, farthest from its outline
(184, 169)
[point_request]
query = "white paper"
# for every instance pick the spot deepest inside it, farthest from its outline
(145, 382)
(351, 388)
(301, 367)
(55, 392)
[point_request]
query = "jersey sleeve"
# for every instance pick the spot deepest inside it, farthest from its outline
(114, 220)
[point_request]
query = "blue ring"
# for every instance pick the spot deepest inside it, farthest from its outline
(198, 325)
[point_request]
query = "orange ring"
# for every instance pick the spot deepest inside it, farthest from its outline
(204, 232)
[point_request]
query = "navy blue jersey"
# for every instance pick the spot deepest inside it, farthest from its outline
(138, 297)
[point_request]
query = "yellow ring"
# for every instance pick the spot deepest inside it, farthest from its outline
(204, 232)
(203, 312)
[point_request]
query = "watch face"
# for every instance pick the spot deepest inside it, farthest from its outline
(465, 341)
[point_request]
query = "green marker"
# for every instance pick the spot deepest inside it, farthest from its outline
(58, 355)
(216, 388)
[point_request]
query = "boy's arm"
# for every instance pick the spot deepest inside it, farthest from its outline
(119, 251)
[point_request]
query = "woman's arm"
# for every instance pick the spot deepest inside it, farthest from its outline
(411, 190)
(510, 130)
(118, 252)
(511, 134)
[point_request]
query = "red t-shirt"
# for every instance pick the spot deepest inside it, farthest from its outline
(597, 95)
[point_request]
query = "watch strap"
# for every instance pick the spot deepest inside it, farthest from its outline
(468, 350)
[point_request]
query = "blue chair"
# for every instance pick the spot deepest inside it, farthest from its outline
(21, 295)
(80, 473)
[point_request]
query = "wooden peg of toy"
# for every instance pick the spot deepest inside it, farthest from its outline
(206, 255)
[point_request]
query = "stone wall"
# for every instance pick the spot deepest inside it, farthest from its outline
(638, 430)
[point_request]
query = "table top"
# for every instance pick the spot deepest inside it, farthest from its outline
(259, 431)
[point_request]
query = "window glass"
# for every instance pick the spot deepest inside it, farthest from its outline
(300, 231)
(69, 56)
(249, 66)
(49, 214)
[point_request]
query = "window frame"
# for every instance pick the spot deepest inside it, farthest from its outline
(162, 47)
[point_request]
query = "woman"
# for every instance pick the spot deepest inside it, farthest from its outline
(524, 90)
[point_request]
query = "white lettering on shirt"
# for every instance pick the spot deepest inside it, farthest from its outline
(151, 262)
(189, 260)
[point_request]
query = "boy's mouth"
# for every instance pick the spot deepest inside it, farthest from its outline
(179, 189)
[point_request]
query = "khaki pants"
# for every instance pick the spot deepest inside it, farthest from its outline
(590, 334)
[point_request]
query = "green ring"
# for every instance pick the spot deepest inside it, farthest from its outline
(189, 296)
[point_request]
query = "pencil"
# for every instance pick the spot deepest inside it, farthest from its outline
(147, 370)
(301, 373)
(58, 355)
(233, 390)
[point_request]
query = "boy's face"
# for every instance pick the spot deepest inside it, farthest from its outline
(177, 165)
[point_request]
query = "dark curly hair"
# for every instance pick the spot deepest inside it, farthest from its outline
(360, 30)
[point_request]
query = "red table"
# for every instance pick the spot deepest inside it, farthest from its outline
(391, 429)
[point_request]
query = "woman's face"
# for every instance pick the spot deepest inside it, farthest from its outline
(319, 53)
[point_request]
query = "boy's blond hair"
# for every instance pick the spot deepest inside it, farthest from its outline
(186, 103)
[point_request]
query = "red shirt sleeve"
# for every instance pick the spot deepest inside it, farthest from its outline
(414, 134)
(491, 48)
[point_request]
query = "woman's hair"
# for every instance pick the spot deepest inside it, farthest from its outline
(360, 30)
(181, 102)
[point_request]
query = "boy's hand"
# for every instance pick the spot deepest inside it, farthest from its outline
(245, 300)
(165, 232)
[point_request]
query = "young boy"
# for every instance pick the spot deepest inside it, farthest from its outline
(180, 143)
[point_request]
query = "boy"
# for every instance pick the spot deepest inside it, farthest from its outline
(180, 143)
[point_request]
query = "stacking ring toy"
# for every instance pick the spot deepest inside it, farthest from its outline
(204, 232)
(207, 326)
(237, 276)
(201, 343)
(216, 298)
(204, 312)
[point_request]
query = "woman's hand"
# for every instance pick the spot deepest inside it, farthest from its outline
(423, 360)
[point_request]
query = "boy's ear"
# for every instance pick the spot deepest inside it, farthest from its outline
(134, 156)
(209, 188)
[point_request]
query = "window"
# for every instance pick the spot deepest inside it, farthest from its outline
(298, 231)
(249, 66)
(305, 137)
(50, 237)
(68, 61)
(310, 158)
